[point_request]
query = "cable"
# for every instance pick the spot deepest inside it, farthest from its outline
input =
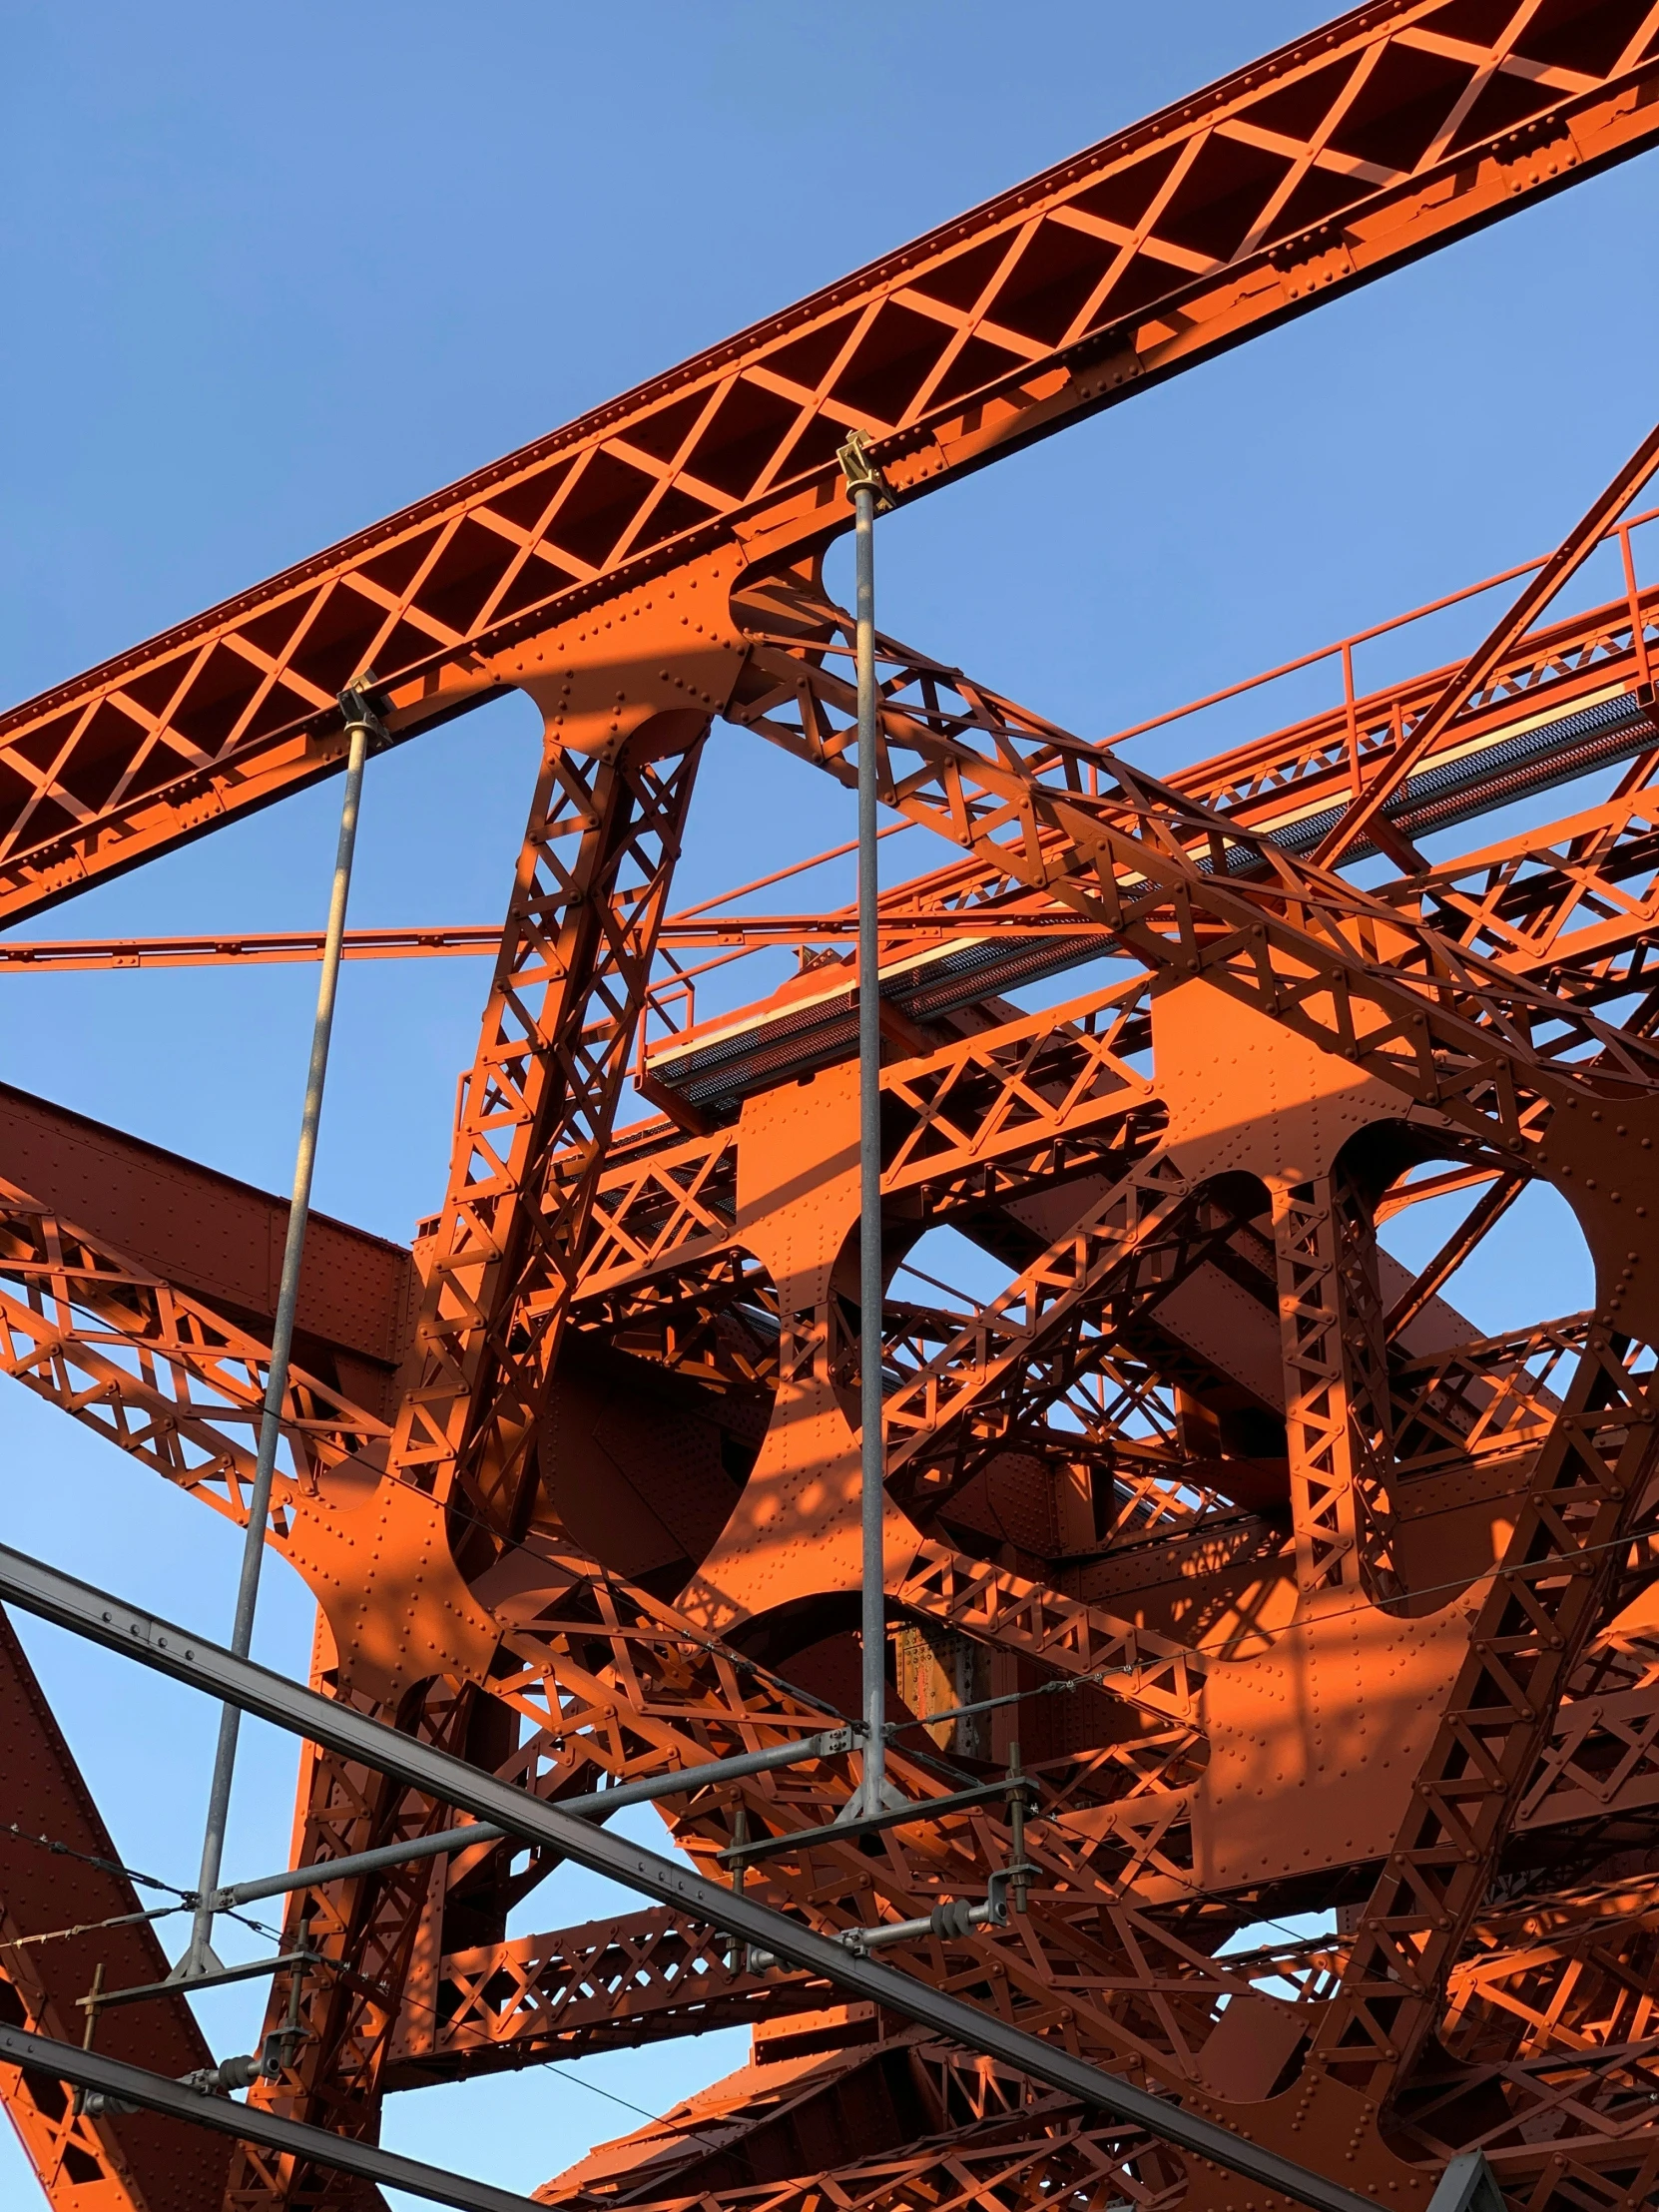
(552, 2065)
(91, 1927)
(187, 1898)
(1458, 1582)
(89, 1859)
(948, 1768)
(187, 1901)
(743, 1664)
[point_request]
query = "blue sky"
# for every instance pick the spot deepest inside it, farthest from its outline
(273, 272)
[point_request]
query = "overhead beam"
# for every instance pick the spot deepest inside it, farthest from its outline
(206, 1233)
(640, 1977)
(243, 948)
(1328, 164)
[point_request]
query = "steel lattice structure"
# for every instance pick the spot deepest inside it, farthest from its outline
(1346, 1607)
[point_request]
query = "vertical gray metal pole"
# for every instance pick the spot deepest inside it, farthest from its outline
(872, 1453)
(200, 1958)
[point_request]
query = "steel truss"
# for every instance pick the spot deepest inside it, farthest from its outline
(1297, 1594)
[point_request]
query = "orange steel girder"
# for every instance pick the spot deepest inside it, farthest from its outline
(572, 1481)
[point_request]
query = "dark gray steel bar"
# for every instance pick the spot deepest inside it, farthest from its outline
(142, 1992)
(153, 2092)
(864, 483)
(54, 1596)
(867, 1824)
(594, 1804)
(1468, 2185)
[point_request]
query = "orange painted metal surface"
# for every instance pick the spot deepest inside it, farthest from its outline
(114, 2162)
(1299, 1595)
(1405, 125)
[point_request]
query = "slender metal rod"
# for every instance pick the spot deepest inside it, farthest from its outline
(255, 1969)
(594, 1804)
(110, 1621)
(198, 1958)
(908, 1813)
(872, 1446)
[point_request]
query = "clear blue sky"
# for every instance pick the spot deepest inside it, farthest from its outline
(273, 272)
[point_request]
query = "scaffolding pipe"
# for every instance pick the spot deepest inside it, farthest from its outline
(865, 484)
(198, 1958)
(595, 1805)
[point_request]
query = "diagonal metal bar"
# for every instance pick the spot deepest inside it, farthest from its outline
(1364, 819)
(1485, 1213)
(1467, 2185)
(168, 1649)
(362, 724)
(250, 2124)
(595, 1805)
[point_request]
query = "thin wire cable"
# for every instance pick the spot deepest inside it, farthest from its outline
(556, 2067)
(1464, 1582)
(90, 1859)
(187, 1901)
(187, 1898)
(92, 1927)
(552, 2065)
(937, 1761)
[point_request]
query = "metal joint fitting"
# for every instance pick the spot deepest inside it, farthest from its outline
(862, 473)
(361, 706)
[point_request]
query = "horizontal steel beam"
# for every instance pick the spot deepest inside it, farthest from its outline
(111, 1622)
(250, 2124)
(869, 1824)
(73, 955)
(143, 1992)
